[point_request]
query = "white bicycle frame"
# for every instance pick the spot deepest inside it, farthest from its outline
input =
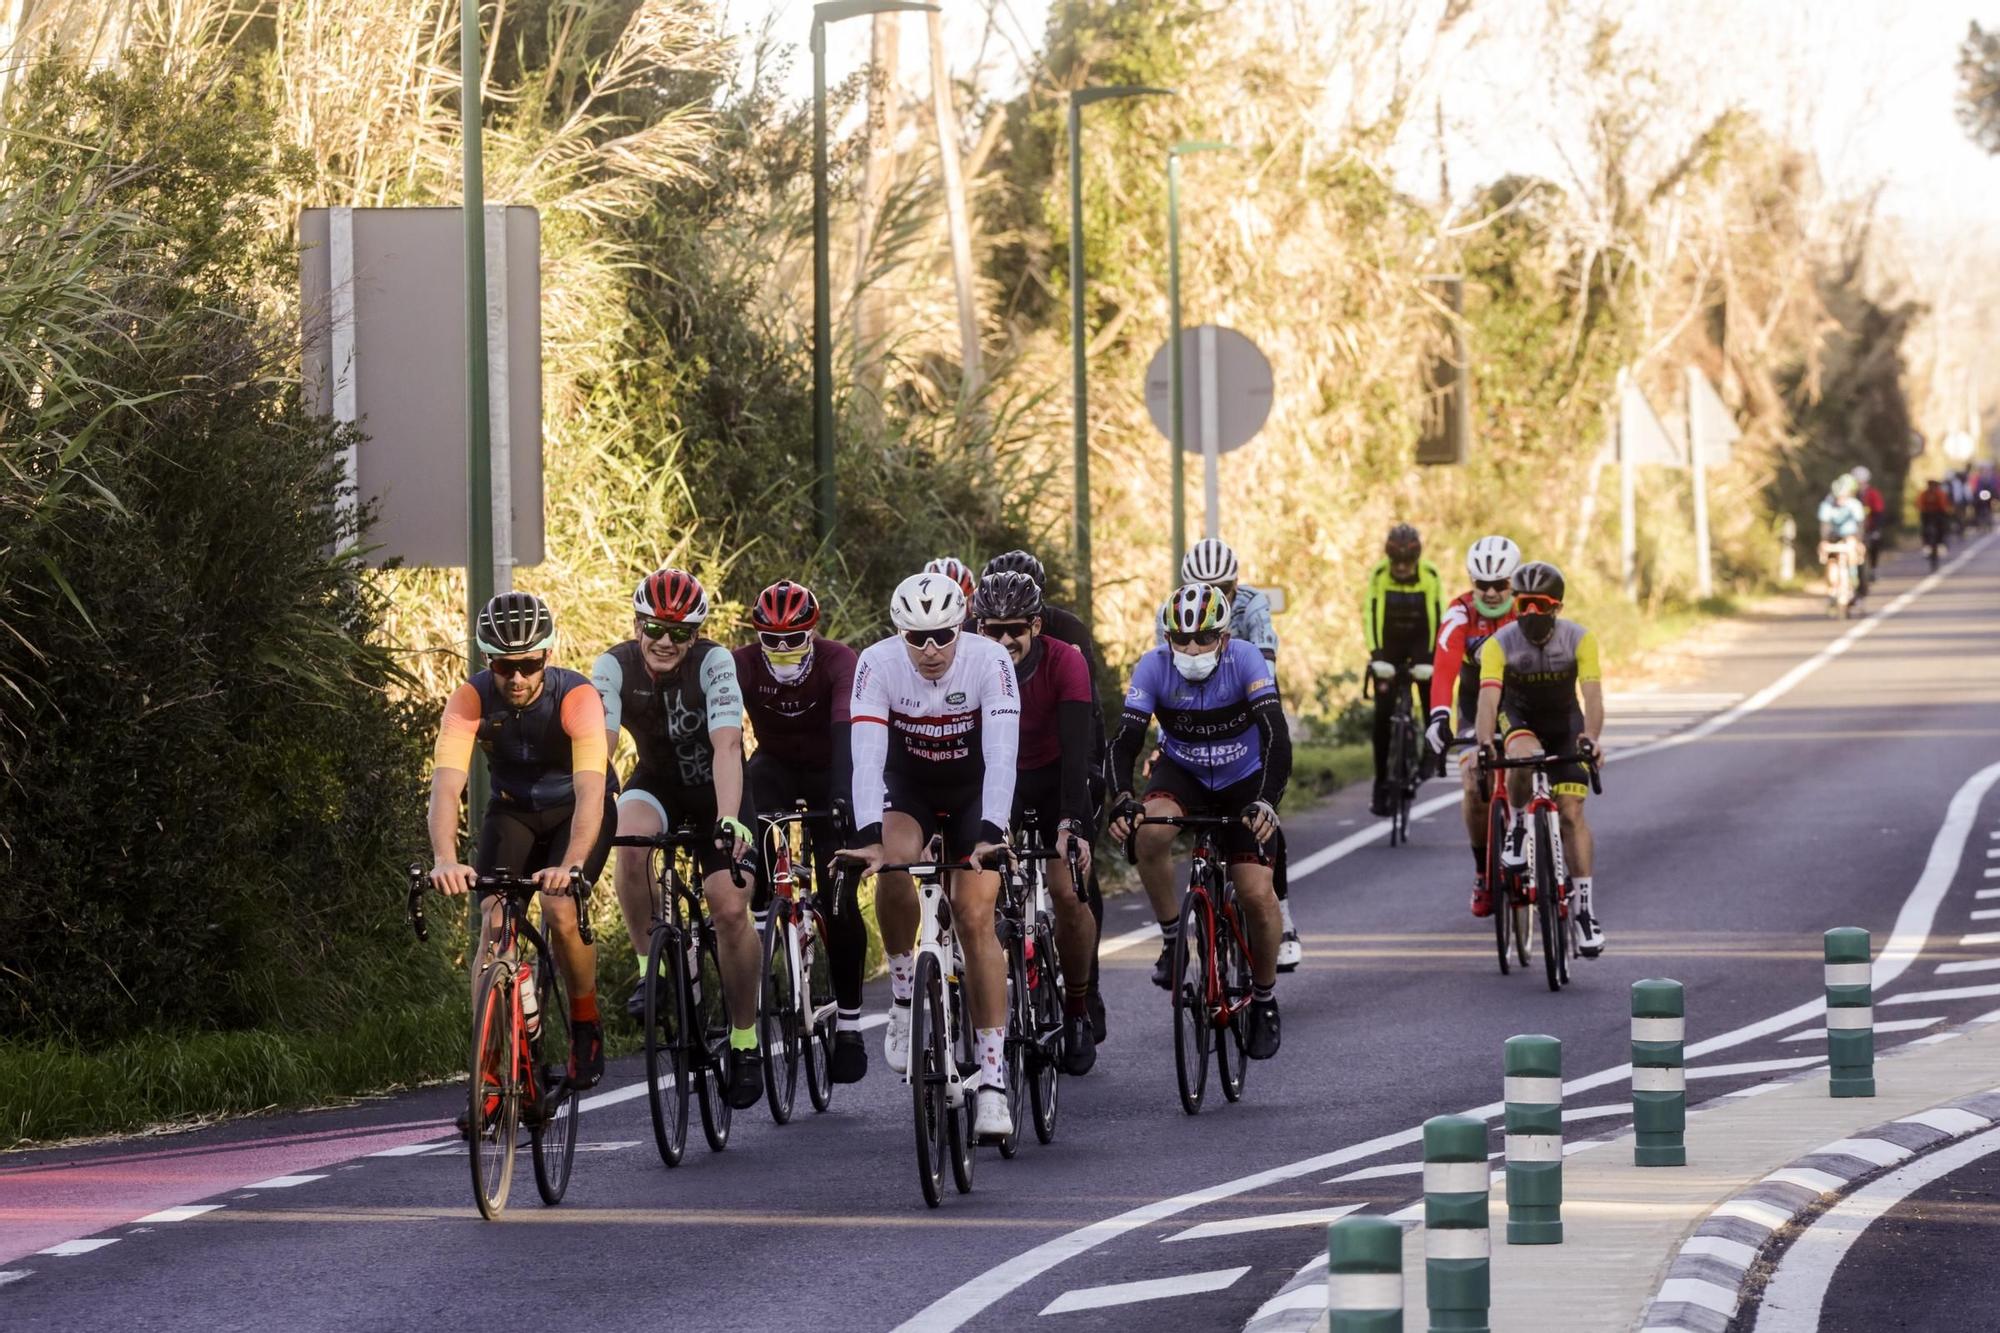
(940, 942)
(804, 940)
(1842, 568)
(1544, 791)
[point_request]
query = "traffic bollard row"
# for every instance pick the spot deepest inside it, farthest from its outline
(1850, 1013)
(1533, 1121)
(1457, 1249)
(1659, 1080)
(1364, 1276)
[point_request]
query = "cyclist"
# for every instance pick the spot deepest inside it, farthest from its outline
(1872, 501)
(1053, 779)
(1224, 750)
(1530, 676)
(1066, 626)
(1842, 518)
(937, 718)
(796, 688)
(676, 693)
(957, 571)
(1472, 618)
(1934, 511)
(548, 812)
(1400, 610)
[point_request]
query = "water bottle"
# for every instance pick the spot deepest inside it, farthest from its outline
(531, 1005)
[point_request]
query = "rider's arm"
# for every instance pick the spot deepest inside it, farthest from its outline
(1274, 742)
(725, 728)
(1132, 729)
(999, 746)
(1370, 630)
(609, 678)
(451, 760)
(841, 666)
(869, 708)
(1590, 680)
(583, 720)
(1492, 674)
(1449, 658)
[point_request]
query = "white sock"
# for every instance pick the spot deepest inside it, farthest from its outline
(1285, 912)
(1582, 883)
(992, 1044)
(902, 975)
(847, 1020)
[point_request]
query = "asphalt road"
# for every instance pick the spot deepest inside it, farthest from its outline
(1927, 1263)
(1799, 784)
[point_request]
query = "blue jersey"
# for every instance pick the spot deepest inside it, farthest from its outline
(1205, 725)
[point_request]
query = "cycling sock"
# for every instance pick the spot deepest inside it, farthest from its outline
(583, 1008)
(743, 1039)
(992, 1044)
(1262, 993)
(1285, 915)
(1170, 929)
(1479, 858)
(902, 975)
(759, 916)
(1076, 1002)
(1582, 883)
(847, 1020)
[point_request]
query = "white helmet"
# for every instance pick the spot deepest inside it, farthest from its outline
(1491, 559)
(927, 601)
(1862, 476)
(1209, 561)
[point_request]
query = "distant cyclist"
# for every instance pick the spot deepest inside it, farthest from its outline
(1541, 692)
(1842, 521)
(1471, 619)
(1224, 750)
(1877, 509)
(1400, 609)
(1934, 512)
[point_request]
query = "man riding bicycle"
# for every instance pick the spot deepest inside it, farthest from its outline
(676, 693)
(1934, 512)
(1052, 780)
(936, 732)
(548, 812)
(796, 688)
(1878, 513)
(1842, 519)
(1530, 675)
(1399, 619)
(1472, 618)
(1224, 750)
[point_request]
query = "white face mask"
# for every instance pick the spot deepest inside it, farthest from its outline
(1196, 666)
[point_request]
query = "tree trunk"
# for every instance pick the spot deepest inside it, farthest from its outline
(877, 172)
(945, 116)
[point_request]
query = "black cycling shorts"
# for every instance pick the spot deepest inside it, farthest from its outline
(1564, 779)
(1038, 790)
(951, 809)
(1170, 782)
(678, 806)
(513, 841)
(776, 788)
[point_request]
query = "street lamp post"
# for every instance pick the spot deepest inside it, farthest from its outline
(479, 578)
(824, 493)
(1176, 427)
(1079, 398)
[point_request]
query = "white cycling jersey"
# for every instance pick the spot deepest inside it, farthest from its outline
(962, 728)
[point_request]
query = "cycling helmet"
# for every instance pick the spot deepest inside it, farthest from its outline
(1403, 543)
(1209, 561)
(672, 595)
(785, 608)
(516, 622)
(1862, 476)
(1845, 486)
(1539, 579)
(927, 601)
(1492, 559)
(954, 569)
(1017, 562)
(1007, 595)
(1195, 607)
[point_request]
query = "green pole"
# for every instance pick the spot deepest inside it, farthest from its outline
(1364, 1276)
(1850, 1013)
(1532, 1070)
(1457, 1250)
(1174, 430)
(478, 425)
(1659, 1080)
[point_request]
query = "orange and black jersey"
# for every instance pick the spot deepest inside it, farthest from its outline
(533, 753)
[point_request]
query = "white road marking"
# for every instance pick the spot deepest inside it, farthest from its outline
(1894, 1025)
(609, 1145)
(1991, 872)
(407, 1150)
(1154, 1289)
(1983, 894)
(180, 1214)
(1379, 1172)
(1969, 965)
(1952, 993)
(1239, 1226)
(1698, 1291)
(1983, 937)
(1987, 914)
(283, 1182)
(14, 1275)
(1593, 1112)
(71, 1248)
(869, 1022)
(1119, 943)
(1791, 1302)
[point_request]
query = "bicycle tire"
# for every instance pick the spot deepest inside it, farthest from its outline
(929, 1049)
(821, 1015)
(1046, 983)
(1193, 1034)
(1497, 894)
(966, 1052)
(782, 1018)
(495, 1064)
(554, 1134)
(1019, 1041)
(1232, 1042)
(1548, 900)
(709, 1022)
(1399, 773)
(669, 1056)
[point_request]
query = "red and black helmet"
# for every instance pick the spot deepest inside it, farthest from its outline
(672, 595)
(785, 608)
(956, 570)
(1403, 543)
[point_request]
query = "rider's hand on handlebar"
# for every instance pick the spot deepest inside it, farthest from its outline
(1587, 746)
(450, 877)
(556, 879)
(1382, 669)
(732, 835)
(990, 855)
(867, 860)
(1438, 733)
(1262, 819)
(1074, 836)
(1123, 811)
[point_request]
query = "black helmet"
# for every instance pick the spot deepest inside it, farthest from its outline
(1017, 562)
(1403, 543)
(1538, 578)
(1007, 595)
(516, 622)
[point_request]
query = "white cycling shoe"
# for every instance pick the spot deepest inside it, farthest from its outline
(1290, 951)
(896, 1039)
(991, 1118)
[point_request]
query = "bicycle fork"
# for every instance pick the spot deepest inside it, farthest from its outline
(934, 936)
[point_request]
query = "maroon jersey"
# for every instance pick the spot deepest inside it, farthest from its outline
(795, 723)
(1062, 676)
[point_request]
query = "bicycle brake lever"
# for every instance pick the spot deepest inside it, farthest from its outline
(415, 907)
(579, 892)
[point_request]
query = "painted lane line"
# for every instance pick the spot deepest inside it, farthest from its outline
(1894, 1025)
(869, 1022)
(1991, 872)
(14, 1275)
(1951, 993)
(1153, 1289)
(283, 1182)
(71, 1248)
(1983, 894)
(1243, 1226)
(1793, 1297)
(180, 1214)
(1983, 937)
(1987, 914)
(1970, 965)
(1934, 1039)
(1119, 943)
(408, 1149)
(1993, 1017)
(1379, 1172)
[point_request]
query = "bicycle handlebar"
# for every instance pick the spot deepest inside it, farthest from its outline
(1590, 762)
(688, 836)
(511, 885)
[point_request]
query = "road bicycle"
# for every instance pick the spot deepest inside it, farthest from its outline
(688, 1056)
(1545, 872)
(1507, 889)
(520, 1041)
(799, 1013)
(1027, 932)
(1406, 765)
(1933, 532)
(1210, 967)
(1843, 577)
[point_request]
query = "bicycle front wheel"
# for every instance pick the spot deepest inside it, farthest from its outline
(1232, 1043)
(1548, 901)
(560, 1115)
(1497, 893)
(1399, 778)
(494, 1101)
(966, 1052)
(709, 1019)
(930, 1048)
(821, 1015)
(784, 1018)
(669, 1054)
(1021, 1053)
(1193, 1033)
(1045, 985)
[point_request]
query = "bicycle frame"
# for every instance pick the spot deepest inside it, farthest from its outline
(678, 898)
(1202, 863)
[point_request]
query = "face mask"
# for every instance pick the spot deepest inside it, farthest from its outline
(1538, 627)
(1196, 666)
(1492, 610)
(789, 668)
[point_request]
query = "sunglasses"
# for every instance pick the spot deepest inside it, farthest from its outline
(926, 638)
(657, 629)
(785, 643)
(1492, 585)
(1208, 638)
(506, 668)
(1536, 606)
(1005, 629)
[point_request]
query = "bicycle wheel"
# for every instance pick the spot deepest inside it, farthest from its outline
(494, 1101)
(966, 1052)
(1523, 929)
(1548, 901)
(709, 1025)
(783, 1019)
(1232, 1043)
(1022, 1053)
(821, 1016)
(1497, 892)
(669, 1053)
(1399, 776)
(555, 1128)
(929, 1049)
(1193, 1034)
(1045, 984)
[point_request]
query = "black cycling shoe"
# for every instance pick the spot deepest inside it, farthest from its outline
(1163, 971)
(1378, 804)
(586, 1054)
(746, 1078)
(1098, 1029)
(849, 1063)
(1263, 1029)
(1079, 1047)
(635, 1004)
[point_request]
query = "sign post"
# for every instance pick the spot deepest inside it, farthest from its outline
(1225, 384)
(1176, 432)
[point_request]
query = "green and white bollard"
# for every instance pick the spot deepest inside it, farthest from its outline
(1850, 1013)
(1533, 1067)
(1364, 1276)
(1659, 1081)
(1458, 1281)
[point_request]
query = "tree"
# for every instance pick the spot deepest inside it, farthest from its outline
(1979, 86)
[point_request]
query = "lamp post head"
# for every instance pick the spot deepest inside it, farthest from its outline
(833, 11)
(1187, 146)
(1087, 96)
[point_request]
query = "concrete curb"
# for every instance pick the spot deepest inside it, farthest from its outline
(1710, 1276)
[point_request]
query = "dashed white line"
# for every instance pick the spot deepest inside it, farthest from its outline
(283, 1182)
(1970, 965)
(1241, 1226)
(14, 1275)
(179, 1214)
(1984, 894)
(1119, 943)
(1153, 1289)
(407, 1150)
(1983, 937)
(1987, 914)
(1952, 993)
(71, 1248)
